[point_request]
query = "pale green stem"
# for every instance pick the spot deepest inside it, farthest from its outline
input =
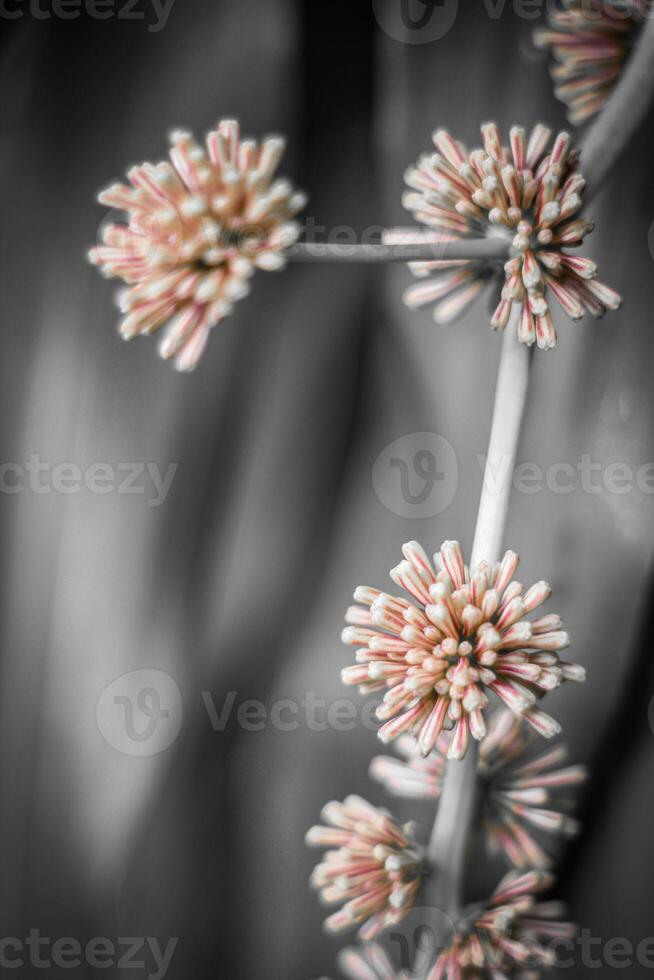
(449, 838)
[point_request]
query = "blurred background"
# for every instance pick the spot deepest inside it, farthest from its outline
(228, 585)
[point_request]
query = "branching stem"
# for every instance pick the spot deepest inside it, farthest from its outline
(449, 838)
(604, 144)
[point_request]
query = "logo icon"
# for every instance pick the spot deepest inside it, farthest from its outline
(415, 21)
(416, 475)
(419, 938)
(140, 713)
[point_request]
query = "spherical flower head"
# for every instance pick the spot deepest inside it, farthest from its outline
(590, 40)
(510, 936)
(196, 229)
(462, 637)
(373, 868)
(526, 193)
(521, 798)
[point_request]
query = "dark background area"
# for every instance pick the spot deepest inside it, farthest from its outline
(239, 581)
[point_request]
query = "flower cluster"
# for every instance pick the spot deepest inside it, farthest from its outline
(522, 796)
(517, 800)
(507, 937)
(590, 41)
(197, 228)
(374, 866)
(462, 636)
(526, 193)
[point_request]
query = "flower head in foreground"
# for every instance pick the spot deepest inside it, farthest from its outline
(519, 799)
(527, 193)
(462, 635)
(197, 227)
(590, 41)
(374, 867)
(510, 936)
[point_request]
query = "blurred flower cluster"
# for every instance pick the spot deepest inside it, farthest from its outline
(590, 40)
(522, 798)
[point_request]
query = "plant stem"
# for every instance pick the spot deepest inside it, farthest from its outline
(447, 846)
(413, 249)
(510, 400)
(610, 134)
(605, 142)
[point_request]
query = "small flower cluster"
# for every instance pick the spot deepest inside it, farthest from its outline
(526, 193)
(510, 936)
(374, 866)
(516, 797)
(590, 41)
(463, 635)
(520, 797)
(197, 228)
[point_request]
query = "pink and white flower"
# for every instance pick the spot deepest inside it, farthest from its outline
(196, 230)
(529, 194)
(457, 639)
(510, 936)
(372, 869)
(590, 41)
(522, 798)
